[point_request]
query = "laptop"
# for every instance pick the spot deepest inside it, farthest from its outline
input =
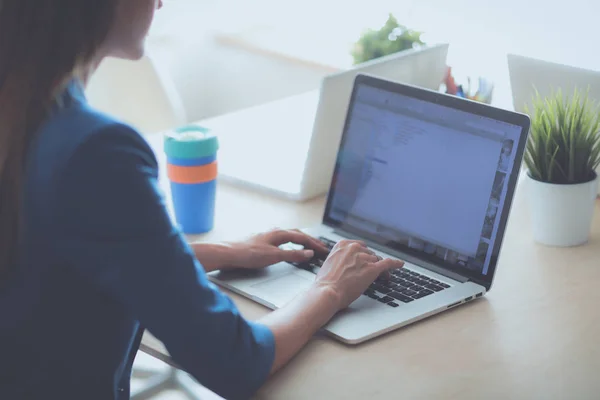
(304, 131)
(528, 74)
(421, 176)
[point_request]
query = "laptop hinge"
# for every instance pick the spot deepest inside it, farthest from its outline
(405, 257)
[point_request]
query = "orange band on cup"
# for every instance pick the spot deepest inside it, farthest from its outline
(196, 174)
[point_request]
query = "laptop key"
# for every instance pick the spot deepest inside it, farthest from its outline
(445, 286)
(389, 284)
(305, 266)
(401, 297)
(433, 287)
(328, 242)
(418, 295)
(373, 296)
(386, 299)
(392, 304)
(380, 288)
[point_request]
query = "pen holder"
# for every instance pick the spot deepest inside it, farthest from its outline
(192, 171)
(475, 88)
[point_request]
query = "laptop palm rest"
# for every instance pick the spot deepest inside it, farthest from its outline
(279, 291)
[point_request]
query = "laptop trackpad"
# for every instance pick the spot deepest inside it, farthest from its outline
(281, 290)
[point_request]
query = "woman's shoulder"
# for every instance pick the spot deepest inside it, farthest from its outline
(88, 134)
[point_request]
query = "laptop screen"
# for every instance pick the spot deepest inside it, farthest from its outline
(427, 178)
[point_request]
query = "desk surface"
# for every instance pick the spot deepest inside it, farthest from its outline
(534, 336)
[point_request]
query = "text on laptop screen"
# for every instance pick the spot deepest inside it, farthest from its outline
(426, 176)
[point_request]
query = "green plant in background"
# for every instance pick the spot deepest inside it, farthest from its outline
(391, 38)
(564, 141)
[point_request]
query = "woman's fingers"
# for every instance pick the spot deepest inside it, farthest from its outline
(279, 237)
(368, 258)
(387, 265)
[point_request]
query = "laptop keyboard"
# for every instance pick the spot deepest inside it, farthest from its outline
(318, 260)
(402, 286)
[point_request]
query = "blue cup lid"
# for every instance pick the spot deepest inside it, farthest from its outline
(191, 141)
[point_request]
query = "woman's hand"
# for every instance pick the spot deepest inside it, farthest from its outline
(259, 251)
(350, 268)
(263, 249)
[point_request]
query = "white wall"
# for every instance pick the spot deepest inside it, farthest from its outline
(139, 93)
(242, 78)
(213, 76)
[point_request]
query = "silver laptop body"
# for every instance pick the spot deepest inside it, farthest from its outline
(420, 176)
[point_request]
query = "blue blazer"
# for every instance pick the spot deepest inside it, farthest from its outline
(99, 262)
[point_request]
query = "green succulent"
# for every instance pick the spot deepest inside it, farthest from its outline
(564, 140)
(389, 39)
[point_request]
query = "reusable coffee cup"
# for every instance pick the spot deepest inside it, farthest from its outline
(192, 171)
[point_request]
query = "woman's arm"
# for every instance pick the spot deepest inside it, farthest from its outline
(294, 324)
(214, 256)
(112, 229)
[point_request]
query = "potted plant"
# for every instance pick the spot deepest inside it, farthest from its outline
(390, 38)
(562, 155)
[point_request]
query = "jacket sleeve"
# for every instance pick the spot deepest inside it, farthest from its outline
(115, 231)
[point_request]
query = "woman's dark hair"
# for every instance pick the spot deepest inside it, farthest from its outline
(43, 45)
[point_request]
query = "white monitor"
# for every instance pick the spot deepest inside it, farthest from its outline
(528, 74)
(424, 67)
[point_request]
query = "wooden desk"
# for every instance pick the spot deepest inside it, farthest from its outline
(536, 335)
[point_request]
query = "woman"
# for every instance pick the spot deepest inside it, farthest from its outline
(88, 255)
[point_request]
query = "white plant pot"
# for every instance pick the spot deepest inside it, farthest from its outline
(561, 215)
